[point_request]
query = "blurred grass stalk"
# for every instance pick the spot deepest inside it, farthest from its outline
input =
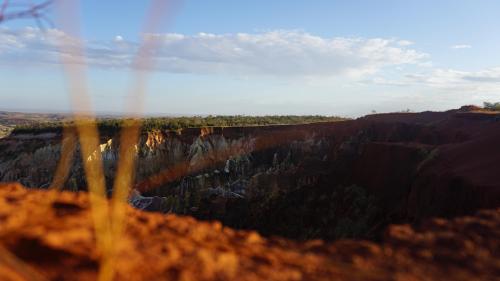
(108, 226)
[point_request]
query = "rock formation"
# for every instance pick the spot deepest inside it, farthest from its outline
(323, 180)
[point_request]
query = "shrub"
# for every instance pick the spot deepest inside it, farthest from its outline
(492, 106)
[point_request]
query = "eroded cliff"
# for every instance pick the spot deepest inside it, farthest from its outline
(324, 180)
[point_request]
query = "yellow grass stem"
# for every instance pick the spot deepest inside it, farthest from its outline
(68, 147)
(74, 68)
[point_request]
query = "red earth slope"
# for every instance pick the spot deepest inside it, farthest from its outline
(58, 241)
(448, 165)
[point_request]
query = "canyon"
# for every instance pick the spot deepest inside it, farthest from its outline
(330, 180)
(400, 196)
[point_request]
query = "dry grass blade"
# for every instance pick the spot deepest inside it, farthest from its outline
(131, 130)
(69, 141)
(74, 67)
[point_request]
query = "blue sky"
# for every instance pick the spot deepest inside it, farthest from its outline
(269, 57)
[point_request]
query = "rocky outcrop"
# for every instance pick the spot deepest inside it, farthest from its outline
(183, 166)
(300, 181)
(50, 234)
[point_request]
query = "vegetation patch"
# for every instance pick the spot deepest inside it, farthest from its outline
(320, 212)
(493, 106)
(112, 126)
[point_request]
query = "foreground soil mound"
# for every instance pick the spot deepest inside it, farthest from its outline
(52, 233)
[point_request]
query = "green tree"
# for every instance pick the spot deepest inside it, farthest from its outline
(492, 106)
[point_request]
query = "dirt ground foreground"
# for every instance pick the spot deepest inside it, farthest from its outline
(51, 232)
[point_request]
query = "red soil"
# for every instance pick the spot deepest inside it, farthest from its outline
(58, 242)
(459, 174)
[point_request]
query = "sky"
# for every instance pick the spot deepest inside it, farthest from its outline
(329, 57)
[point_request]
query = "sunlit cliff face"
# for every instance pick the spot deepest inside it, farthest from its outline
(327, 180)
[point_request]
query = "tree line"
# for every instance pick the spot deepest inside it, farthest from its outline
(111, 126)
(494, 106)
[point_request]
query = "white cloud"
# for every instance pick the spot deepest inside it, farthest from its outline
(461, 46)
(405, 43)
(275, 53)
(485, 81)
(450, 78)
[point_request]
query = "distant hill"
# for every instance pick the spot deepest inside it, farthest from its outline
(9, 120)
